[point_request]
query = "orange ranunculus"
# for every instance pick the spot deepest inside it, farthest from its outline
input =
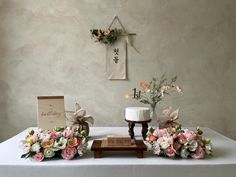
(144, 85)
(47, 143)
(72, 142)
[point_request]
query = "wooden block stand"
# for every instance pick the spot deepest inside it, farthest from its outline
(97, 147)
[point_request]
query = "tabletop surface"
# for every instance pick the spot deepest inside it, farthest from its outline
(224, 151)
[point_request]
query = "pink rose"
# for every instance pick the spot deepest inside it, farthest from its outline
(66, 133)
(199, 153)
(68, 153)
(170, 152)
(182, 138)
(39, 156)
(161, 132)
(53, 135)
(190, 135)
(33, 138)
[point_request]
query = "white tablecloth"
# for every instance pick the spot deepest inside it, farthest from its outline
(222, 164)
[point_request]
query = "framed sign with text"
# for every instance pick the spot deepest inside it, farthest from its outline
(51, 112)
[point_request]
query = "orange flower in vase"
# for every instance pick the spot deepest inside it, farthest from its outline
(154, 91)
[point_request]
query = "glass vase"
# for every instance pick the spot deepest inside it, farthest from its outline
(153, 115)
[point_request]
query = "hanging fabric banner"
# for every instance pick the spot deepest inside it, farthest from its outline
(116, 59)
(116, 54)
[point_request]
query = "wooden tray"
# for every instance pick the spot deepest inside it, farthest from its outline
(98, 147)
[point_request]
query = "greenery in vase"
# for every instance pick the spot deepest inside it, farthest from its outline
(154, 91)
(108, 36)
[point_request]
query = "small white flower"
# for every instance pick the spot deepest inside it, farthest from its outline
(178, 88)
(35, 147)
(208, 149)
(24, 146)
(61, 144)
(148, 90)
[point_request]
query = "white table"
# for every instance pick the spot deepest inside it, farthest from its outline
(222, 164)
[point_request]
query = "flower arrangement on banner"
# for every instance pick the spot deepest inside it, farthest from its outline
(60, 142)
(108, 36)
(178, 142)
(154, 91)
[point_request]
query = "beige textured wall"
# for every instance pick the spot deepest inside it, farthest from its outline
(45, 49)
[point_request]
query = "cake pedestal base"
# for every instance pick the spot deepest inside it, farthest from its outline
(131, 125)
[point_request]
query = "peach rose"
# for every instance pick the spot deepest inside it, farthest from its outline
(47, 143)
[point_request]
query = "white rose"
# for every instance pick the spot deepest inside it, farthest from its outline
(35, 147)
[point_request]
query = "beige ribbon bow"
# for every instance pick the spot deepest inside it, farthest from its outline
(168, 118)
(79, 119)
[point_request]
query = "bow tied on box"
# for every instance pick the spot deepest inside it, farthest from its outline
(168, 118)
(79, 120)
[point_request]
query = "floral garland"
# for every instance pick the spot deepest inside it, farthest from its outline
(178, 142)
(106, 36)
(46, 144)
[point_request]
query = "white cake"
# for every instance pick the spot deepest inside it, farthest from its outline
(137, 113)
